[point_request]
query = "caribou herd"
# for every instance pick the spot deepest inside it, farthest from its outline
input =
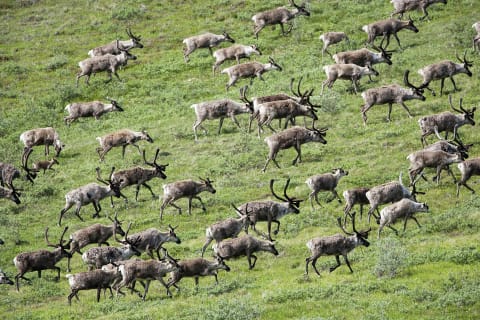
(111, 267)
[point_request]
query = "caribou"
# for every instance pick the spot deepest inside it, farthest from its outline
(391, 94)
(347, 71)
(115, 47)
(402, 6)
(325, 182)
(292, 137)
(234, 52)
(121, 138)
(109, 63)
(445, 69)
(90, 109)
(405, 209)
(280, 15)
(386, 28)
(446, 121)
(336, 245)
(153, 239)
(331, 38)
(270, 211)
(206, 40)
(90, 193)
(422, 159)
(249, 70)
(185, 189)
(41, 259)
(140, 176)
(42, 136)
(468, 168)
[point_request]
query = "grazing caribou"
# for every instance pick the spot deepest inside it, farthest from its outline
(42, 137)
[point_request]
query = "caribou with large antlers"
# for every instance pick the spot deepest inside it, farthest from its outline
(336, 245)
(41, 259)
(270, 211)
(446, 121)
(90, 193)
(115, 47)
(292, 137)
(140, 176)
(280, 15)
(391, 94)
(445, 69)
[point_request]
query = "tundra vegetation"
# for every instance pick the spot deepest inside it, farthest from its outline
(42, 42)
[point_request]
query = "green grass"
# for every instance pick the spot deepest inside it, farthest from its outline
(424, 273)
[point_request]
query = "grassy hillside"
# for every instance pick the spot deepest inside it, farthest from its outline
(425, 273)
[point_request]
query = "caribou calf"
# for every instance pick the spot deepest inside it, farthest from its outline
(336, 245)
(405, 209)
(347, 71)
(235, 52)
(206, 40)
(196, 268)
(325, 182)
(185, 189)
(249, 70)
(121, 138)
(243, 246)
(89, 109)
(292, 137)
